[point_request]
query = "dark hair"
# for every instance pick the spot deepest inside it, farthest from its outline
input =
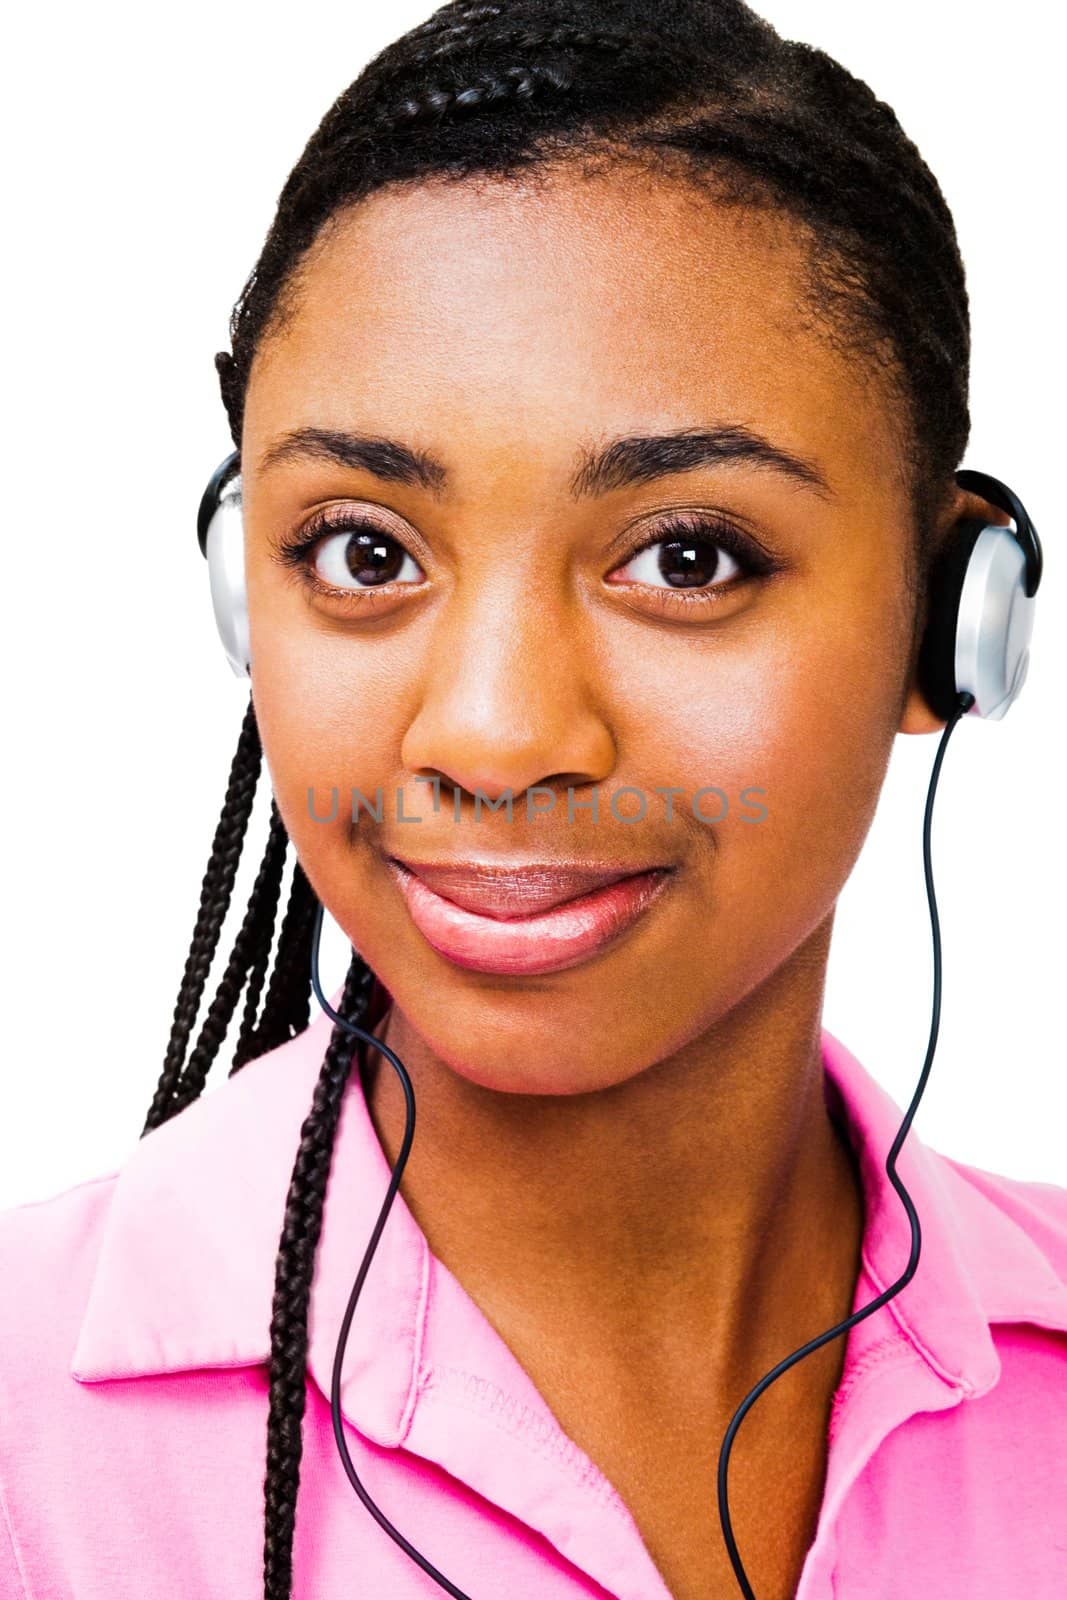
(703, 91)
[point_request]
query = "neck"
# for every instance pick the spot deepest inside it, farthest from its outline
(708, 1197)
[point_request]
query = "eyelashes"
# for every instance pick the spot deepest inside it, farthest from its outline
(694, 558)
(359, 548)
(693, 543)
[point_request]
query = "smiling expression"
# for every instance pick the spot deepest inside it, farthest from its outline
(559, 490)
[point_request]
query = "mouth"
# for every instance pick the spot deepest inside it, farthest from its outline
(524, 919)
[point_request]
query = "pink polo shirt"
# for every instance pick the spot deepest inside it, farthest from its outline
(133, 1384)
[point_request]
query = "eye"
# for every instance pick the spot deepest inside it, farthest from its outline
(694, 552)
(365, 558)
(682, 563)
(345, 551)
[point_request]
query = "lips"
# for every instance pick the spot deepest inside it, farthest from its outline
(534, 918)
(505, 892)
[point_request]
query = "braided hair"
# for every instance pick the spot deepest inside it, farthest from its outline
(701, 90)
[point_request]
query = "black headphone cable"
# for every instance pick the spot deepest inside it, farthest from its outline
(963, 704)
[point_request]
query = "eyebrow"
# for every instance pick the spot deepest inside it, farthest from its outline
(636, 458)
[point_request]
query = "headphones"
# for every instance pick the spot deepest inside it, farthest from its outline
(980, 612)
(972, 661)
(220, 535)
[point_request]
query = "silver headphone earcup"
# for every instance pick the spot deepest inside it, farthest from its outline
(225, 551)
(994, 624)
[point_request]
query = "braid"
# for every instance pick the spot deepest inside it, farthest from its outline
(483, 90)
(472, 90)
(248, 962)
(293, 1274)
(215, 895)
(704, 90)
(535, 39)
(287, 1007)
(286, 1012)
(271, 888)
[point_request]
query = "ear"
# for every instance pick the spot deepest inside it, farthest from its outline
(916, 715)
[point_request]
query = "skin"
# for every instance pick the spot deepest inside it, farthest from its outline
(635, 1177)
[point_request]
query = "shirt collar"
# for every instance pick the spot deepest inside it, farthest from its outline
(977, 1265)
(185, 1272)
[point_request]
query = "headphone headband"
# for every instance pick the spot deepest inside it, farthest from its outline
(209, 500)
(998, 494)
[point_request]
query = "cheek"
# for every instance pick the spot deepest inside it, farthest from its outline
(330, 720)
(799, 700)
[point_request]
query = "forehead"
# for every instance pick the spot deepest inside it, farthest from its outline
(557, 307)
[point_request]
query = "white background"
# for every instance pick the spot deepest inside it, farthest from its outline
(145, 147)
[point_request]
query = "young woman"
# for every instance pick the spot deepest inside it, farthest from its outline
(598, 395)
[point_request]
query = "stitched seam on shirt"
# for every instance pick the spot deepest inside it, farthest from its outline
(835, 1565)
(887, 1353)
(954, 1379)
(536, 1428)
(415, 1383)
(872, 1357)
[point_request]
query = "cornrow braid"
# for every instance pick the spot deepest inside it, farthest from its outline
(532, 39)
(491, 86)
(702, 90)
(448, 25)
(472, 91)
(443, 40)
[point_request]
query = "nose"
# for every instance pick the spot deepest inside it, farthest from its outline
(510, 701)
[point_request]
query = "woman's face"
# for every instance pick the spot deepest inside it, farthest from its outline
(490, 611)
